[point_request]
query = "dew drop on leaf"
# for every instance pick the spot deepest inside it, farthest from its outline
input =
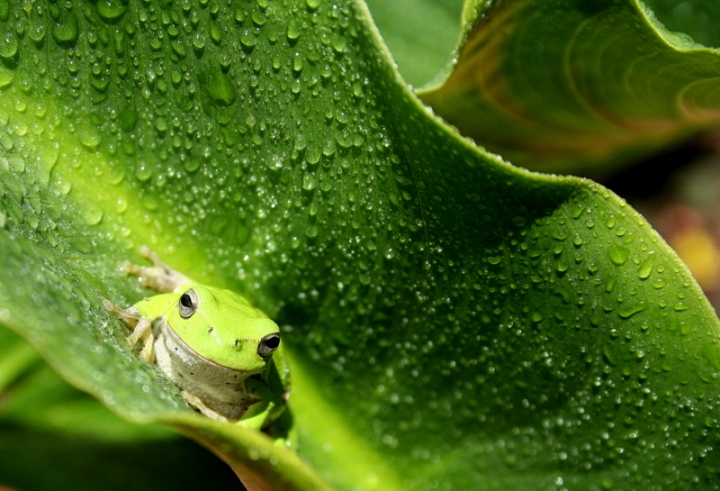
(618, 254)
(8, 46)
(92, 216)
(292, 30)
(646, 267)
(66, 32)
(247, 39)
(339, 42)
(629, 310)
(6, 77)
(659, 283)
(90, 139)
(110, 10)
(297, 62)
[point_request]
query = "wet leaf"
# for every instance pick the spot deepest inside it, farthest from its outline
(451, 319)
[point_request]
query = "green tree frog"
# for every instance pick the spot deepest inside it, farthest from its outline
(223, 353)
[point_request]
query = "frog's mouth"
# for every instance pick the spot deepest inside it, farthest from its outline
(188, 362)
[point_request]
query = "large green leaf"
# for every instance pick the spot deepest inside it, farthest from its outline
(420, 34)
(78, 444)
(452, 322)
(576, 86)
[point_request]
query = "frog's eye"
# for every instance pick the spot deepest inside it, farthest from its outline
(268, 344)
(188, 304)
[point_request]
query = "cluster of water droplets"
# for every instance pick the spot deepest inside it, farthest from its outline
(446, 295)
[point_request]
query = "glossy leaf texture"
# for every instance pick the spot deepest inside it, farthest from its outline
(420, 34)
(583, 87)
(452, 322)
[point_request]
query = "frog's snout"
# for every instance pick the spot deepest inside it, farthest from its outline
(268, 344)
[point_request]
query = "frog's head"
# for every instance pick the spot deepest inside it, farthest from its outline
(222, 327)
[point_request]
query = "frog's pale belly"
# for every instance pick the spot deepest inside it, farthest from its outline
(220, 388)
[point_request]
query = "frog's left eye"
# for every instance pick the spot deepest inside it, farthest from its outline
(188, 304)
(268, 344)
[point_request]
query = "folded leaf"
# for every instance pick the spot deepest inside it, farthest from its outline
(453, 322)
(579, 87)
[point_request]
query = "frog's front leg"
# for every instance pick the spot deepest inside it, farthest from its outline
(141, 326)
(159, 276)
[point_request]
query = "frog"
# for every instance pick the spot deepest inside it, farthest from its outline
(224, 354)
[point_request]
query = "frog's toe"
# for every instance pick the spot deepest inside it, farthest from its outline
(109, 306)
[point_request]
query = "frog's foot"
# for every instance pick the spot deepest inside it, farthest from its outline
(198, 404)
(129, 316)
(143, 332)
(159, 276)
(142, 328)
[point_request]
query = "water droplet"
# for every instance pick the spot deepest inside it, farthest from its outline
(6, 142)
(92, 216)
(220, 87)
(339, 42)
(161, 125)
(608, 354)
(312, 4)
(659, 283)
(66, 33)
(117, 175)
(610, 285)
(618, 254)
(313, 156)
(258, 18)
(143, 172)
(6, 77)
(292, 30)
(312, 231)
(560, 234)
(110, 10)
(680, 306)
(90, 139)
(215, 32)
(646, 267)
(308, 182)
(48, 156)
(191, 165)
(297, 62)
(628, 311)
(8, 46)
(247, 39)
(199, 42)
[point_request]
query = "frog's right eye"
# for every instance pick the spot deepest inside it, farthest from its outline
(188, 304)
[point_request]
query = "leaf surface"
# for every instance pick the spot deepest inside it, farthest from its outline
(582, 87)
(451, 320)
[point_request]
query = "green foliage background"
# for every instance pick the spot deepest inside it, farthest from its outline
(453, 322)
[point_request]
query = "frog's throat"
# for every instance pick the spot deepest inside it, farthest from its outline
(186, 359)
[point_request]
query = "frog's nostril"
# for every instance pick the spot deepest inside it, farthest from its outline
(268, 344)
